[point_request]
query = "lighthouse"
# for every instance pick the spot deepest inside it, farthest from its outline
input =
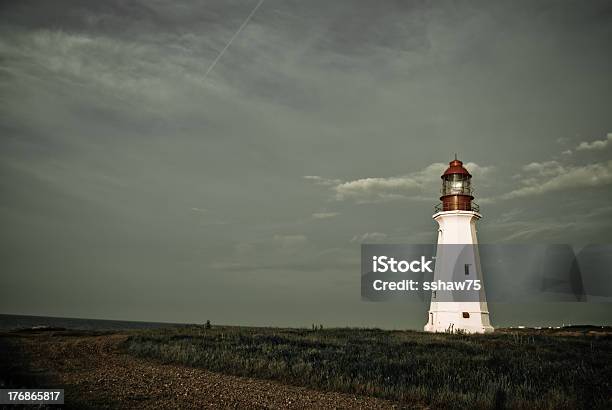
(457, 258)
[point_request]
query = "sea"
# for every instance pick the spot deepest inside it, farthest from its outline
(14, 322)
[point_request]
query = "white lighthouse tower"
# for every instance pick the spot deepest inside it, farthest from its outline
(457, 258)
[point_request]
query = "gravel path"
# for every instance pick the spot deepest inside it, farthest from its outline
(96, 373)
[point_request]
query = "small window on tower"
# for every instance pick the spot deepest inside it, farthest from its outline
(434, 294)
(467, 269)
(466, 315)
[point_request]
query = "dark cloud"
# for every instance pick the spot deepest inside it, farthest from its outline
(112, 137)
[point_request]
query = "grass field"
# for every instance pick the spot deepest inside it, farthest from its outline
(512, 369)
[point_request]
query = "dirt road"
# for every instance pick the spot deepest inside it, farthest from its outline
(96, 373)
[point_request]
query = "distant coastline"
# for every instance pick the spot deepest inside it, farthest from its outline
(12, 322)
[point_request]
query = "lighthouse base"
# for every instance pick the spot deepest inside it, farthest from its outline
(458, 321)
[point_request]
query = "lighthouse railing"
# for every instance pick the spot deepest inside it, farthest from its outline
(468, 207)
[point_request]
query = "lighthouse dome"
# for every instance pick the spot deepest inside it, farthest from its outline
(456, 167)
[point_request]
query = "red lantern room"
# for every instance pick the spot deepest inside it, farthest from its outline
(457, 189)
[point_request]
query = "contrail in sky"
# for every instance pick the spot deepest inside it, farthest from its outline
(229, 43)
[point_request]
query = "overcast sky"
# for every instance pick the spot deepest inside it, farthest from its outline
(133, 186)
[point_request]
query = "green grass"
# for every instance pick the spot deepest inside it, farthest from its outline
(506, 370)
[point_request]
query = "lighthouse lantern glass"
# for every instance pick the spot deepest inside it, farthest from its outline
(456, 184)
